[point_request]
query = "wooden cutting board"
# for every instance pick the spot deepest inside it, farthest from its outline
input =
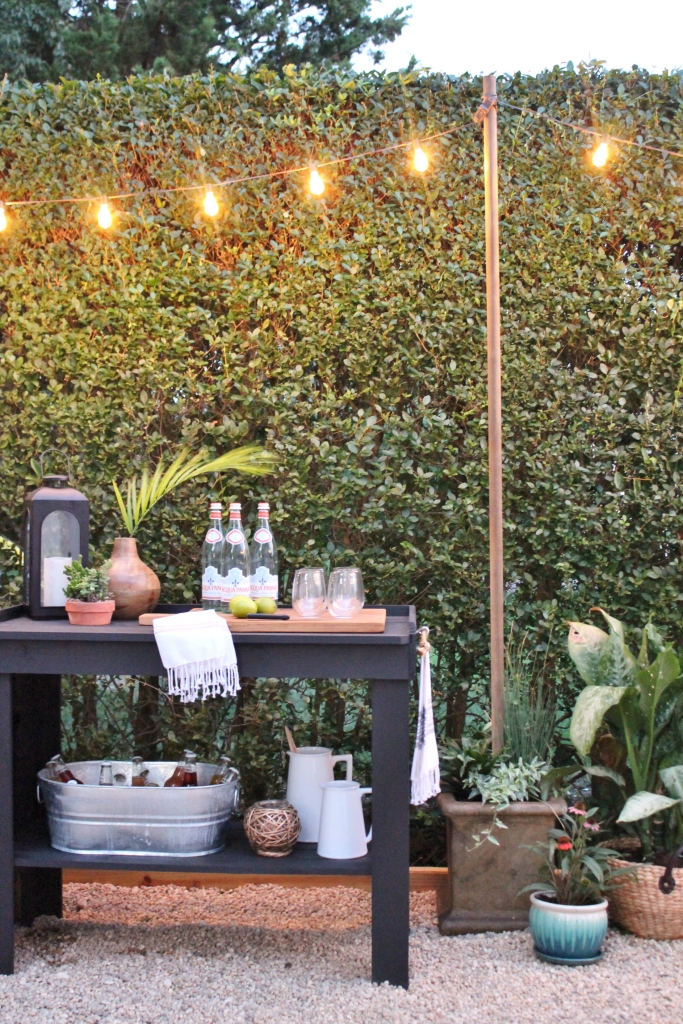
(368, 620)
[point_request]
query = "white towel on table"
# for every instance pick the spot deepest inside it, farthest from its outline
(425, 773)
(197, 651)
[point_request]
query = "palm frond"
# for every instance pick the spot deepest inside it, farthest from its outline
(143, 493)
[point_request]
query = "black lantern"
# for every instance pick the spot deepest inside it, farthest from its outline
(56, 531)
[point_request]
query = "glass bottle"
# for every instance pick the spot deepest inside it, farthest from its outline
(62, 772)
(140, 773)
(212, 559)
(263, 581)
(235, 558)
(178, 773)
(221, 773)
(190, 777)
(106, 775)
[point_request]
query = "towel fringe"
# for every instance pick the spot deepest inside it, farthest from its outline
(203, 679)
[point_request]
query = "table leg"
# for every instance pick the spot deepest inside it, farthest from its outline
(390, 831)
(6, 830)
(36, 737)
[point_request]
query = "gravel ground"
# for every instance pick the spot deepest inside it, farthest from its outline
(263, 954)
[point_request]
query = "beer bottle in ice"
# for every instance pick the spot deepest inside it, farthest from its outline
(190, 777)
(263, 558)
(212, 559)
(178, 774)
(61, 772)
(221, 773)
(140, 773)
(235, 558)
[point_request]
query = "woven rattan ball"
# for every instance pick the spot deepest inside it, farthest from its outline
(272, 827)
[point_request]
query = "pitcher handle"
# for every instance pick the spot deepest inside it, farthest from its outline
(367, 789)
(349, 764)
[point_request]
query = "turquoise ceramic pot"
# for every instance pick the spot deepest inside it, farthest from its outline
(568, 934)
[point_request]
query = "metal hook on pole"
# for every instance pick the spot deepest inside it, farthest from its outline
(423, 647)
(487, 114)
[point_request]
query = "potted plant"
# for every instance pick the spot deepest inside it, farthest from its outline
(629, 722)
(496, 805)
(568, 917)
(136, 587)
(88, 601)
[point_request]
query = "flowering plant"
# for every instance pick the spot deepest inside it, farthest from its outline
(576, 872)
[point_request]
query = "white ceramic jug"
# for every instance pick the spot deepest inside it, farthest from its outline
(309, 768)
(342, 829)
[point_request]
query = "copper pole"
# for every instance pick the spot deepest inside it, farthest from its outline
(489, 115)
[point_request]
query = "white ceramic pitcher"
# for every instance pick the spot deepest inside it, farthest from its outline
(309, 768)
(342, 829)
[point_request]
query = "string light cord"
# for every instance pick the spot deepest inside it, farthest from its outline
(244, 179)
(591, 131)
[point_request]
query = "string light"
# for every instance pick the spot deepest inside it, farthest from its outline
(104, 217)
(420, 159)
(210, 204)
(601, 154)
(3, 217)
(316, 184)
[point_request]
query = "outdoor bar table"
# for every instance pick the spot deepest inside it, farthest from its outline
(35, 654)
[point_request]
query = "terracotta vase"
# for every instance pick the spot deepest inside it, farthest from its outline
(136, 588)
(89, 613)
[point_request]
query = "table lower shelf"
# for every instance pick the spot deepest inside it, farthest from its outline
(236, 858)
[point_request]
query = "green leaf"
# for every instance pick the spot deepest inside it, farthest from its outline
(673, 780)
(585, 645)
(644, 805)
(653, 681)
(617, 666)
(601, 771)
(589, 710)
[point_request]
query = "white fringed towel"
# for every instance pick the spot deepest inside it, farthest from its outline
(197, 651)
(425, 773)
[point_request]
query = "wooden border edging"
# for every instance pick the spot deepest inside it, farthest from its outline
(421, 879)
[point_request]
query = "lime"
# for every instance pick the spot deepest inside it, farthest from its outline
(266, 605)
(240, 607)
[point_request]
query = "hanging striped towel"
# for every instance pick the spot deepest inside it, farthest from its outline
(425, 774)
(197, 651)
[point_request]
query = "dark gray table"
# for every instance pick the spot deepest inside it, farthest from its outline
(34, 656)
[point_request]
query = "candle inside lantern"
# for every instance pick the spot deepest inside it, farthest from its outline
(54, 581)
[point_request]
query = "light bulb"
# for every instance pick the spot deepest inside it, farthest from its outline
(316, 183)
(104, 218)
(420, 160)
(600, 155)
(3, 217)
(210, 204)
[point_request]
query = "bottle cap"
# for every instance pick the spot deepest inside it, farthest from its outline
(263, 506)
(216, 504)
(235, 506)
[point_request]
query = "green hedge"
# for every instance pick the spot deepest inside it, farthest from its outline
(349, 334)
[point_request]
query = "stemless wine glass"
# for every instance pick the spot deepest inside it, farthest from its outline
(345, 593)
(308, 592)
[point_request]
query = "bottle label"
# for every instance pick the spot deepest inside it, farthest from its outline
(211, 584)
(235, 537)
(263, 584)
(213, 536)
(235, 584)
(263, 536)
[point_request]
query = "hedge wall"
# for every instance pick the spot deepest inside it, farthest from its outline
(349, 333)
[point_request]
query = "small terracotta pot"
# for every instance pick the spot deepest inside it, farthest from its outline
(136, 587)
(89, 613)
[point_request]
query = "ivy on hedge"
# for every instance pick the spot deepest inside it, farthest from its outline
(350, 334)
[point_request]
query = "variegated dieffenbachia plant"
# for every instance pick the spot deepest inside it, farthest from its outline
(631, 716)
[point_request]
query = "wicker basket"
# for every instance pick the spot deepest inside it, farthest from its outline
(636, 903)
(272, 828)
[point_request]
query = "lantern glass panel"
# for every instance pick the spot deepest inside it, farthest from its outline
(59, 544)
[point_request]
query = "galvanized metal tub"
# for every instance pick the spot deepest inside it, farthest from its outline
(138, 820)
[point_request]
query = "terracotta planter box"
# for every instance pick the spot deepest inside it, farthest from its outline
(484, 883)
(89, 613)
